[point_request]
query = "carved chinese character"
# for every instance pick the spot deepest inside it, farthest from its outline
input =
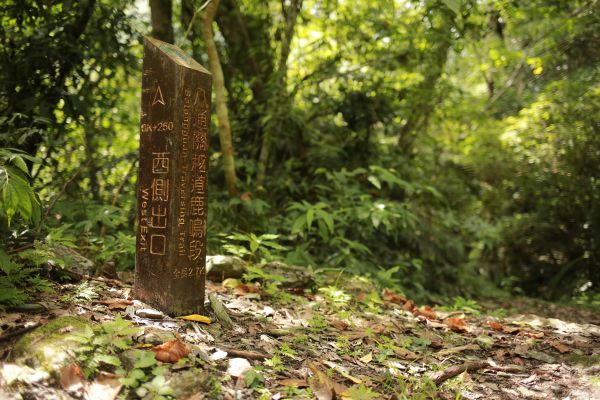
(158, 245)
(198, 184)
(197, 228)
(159, 216)
(160, 163)
(195, 249)
(197, 205)
(160, 189)
(199, 162)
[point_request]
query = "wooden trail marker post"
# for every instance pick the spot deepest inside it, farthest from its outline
(172, 182)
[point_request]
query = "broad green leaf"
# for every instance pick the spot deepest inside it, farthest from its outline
(298, 223)
(269, 236)
(373, 179)
(454, 5)
(310, 214)
(110, 360)
(327, 218)
(254, 244)
(20, 163)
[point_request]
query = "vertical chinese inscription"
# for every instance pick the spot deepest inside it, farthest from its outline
(172, 180)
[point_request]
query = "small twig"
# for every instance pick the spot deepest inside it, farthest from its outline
(442, 376)
(81, 276)
(20, 331)
(453, 313)
(20, 249)
(191, 24)
(252, 355)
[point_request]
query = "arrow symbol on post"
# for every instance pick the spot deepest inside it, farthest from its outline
(158, 97)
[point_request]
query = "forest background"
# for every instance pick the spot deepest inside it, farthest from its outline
(441, 147)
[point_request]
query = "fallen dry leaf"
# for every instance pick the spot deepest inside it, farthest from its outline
(368, 358)
(425, 311)
(299, 383)
(105, 387)
(495, 325)
(196, 318)
(456, 324)
(244, 288)
(531, 334)
(324, 388)
(408, 306)
(560, 347)
(215, 288)
(390, 296)
(342, 371)
(339, 324)
(116, 304)
(510, 329)
(71, 378)
(405, 354)
(171, 351)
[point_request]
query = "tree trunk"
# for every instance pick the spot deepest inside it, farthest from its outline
(162, 20)
(221, 98)
(279, 99)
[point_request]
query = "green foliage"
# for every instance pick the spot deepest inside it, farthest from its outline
(361, 392)
(444, 148)
(101, 345)
(465, 305)
(254, 379)
(16, 194)
(258, 247)
(18, 281)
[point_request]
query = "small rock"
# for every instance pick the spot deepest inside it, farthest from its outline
(268, 311)
(189, 382)
(48, 347)
(219, 268)
(149, 313)
(538, 355)
(238, 367)
(10, 373)
(218, 355)
(156, 336)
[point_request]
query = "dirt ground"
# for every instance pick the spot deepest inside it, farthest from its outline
(325, 344)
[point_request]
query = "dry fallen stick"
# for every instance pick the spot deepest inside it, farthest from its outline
(19, 331)
(251, 355)
(440, 377)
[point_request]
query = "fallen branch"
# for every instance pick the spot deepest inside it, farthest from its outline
(80, 276)
(442, 376)
(20, 331)
(251, 355)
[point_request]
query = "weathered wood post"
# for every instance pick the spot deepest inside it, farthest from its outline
(172, 180)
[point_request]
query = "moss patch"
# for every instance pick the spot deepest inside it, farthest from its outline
(584, 360)
(49, 346)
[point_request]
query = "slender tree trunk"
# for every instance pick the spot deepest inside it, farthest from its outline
(162, 19)
(279, 100)
(221, 98)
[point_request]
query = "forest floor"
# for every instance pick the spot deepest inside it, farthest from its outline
(92, 340)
